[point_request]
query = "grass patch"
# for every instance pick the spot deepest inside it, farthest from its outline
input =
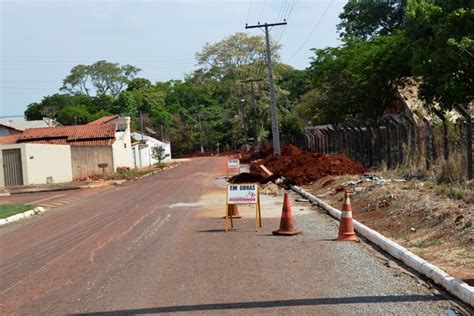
(451, 191)
(8, 210)
(133, 173)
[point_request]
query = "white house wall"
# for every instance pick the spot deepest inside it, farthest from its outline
(153, 142)
(42, 161)
(122, 150)
(122, 147)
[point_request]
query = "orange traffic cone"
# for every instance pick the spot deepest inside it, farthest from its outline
(346, 227)
(234, 211)
(287, 223)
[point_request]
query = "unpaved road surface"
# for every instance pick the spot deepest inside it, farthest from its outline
(157, 246)
(51, 199)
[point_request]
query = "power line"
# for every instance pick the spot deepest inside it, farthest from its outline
(263, 9)
(280, 16)
(248, 13)
(312, 31)
(286, 19)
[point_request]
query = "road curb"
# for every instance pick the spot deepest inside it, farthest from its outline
(19, 216)
(454, 286)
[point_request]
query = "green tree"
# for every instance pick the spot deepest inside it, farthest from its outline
(158, 153)
(138, 84)
(77, 82)
(364, 19)
(73, 114)
(126, 105)
(102, 76)
(442, 38)
(358, 80)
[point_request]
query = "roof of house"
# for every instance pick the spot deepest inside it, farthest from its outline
(9, 139)
(75, 135)
(10, 127)
(20, 123)
(103, 120)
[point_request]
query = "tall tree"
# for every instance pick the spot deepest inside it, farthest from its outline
(237, 56)
(363, 19)
(103, 76)
(442, 35)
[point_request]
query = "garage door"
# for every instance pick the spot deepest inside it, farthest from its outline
(12, 167)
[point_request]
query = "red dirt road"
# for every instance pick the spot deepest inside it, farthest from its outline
(157, 245)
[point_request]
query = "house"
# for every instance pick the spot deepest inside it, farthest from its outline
(121, 147)
(25, 164)
(20, 123)
(104, 143)
(6, 130)
(142, 150)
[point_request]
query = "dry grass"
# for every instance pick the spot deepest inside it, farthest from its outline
(434, 220)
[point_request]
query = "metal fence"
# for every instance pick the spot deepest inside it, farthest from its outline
(394, 140)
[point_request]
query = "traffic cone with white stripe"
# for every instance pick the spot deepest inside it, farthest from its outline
(346, 227)
(287, 223)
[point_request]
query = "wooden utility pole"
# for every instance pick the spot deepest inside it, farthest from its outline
(275, 130)
(252, 81)
(200, 133)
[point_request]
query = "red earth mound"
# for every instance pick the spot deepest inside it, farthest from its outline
(249, 156)
(246, 177)
(300, 166)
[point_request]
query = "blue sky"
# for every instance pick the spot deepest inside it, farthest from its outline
(40, 41)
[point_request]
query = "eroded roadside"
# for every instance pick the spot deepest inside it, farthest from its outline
(414, 214)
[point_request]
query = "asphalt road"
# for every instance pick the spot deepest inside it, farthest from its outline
(157, 245)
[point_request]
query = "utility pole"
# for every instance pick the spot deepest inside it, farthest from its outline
(141, 141)
(141, 127)
(275, 131)
(244, 123)
(252, 81)
(200, 133)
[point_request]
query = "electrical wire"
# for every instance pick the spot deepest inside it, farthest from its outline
(248, 13)
(263, 10)
(287, 18)
(312, 31)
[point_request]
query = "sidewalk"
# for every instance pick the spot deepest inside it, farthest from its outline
(57, 187)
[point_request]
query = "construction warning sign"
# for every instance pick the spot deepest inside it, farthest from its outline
(233, 164)
(242, 193)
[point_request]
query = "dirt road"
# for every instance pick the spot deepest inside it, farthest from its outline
(157, 246)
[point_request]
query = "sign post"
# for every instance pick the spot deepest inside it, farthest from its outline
(246, 193)
(233, 164)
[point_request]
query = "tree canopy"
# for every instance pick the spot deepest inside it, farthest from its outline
(104, 77)
(225, 100)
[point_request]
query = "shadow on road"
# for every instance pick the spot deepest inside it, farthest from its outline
(273, 304)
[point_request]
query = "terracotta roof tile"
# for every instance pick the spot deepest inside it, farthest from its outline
(77, 135)
(103, 119)
(9, 139)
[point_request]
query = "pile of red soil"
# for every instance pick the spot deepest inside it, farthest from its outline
(300, 167)
(246, 177)
(253, 154)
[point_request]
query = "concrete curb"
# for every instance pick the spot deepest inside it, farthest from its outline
(19, 216)
(454, 286)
